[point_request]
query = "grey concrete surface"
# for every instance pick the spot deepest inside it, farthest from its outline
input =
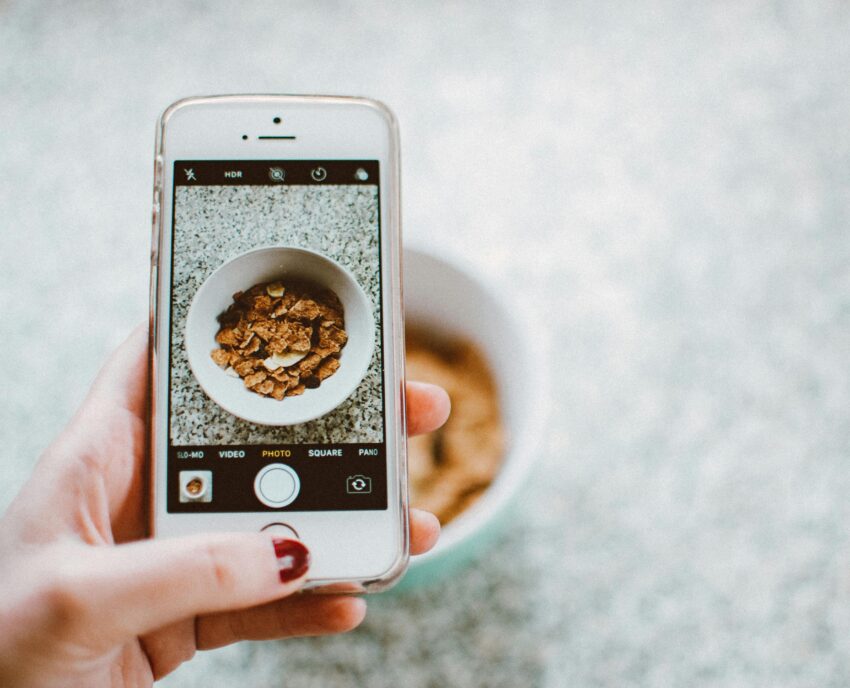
(666, 182)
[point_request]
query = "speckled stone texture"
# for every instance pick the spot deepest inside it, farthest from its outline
(667, 182)
(214, 224)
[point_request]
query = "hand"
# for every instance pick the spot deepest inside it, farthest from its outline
(87, 601)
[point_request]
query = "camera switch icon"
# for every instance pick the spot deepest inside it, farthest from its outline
(358, 484)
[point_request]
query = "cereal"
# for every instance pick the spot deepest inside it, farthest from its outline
(281, 337)
(327, 368)
(221, 357)
(450, 468)
(305, 309)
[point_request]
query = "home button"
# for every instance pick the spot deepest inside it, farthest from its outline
(277, 485)
(280, 529)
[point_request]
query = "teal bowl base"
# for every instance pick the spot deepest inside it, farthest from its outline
(433, 571)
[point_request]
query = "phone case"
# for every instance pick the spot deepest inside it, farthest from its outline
(391, 207)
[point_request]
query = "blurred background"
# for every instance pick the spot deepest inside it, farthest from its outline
(665, 184)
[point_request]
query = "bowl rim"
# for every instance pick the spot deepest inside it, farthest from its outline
(524, 440)
(370, 345)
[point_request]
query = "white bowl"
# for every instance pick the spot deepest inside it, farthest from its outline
(444, 296)
(266, 265)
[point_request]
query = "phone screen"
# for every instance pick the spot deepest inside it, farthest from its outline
(276, 377)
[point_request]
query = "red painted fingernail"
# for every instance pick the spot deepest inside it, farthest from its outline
(293, 559)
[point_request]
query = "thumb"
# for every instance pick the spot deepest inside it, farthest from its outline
(128, 590)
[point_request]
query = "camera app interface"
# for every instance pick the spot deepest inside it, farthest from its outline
(276, 387)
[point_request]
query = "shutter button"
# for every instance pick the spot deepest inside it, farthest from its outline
(277, 485)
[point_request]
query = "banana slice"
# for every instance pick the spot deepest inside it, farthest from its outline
(276, 361)
(275, 289)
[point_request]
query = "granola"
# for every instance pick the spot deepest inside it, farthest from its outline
(451, 468)
(281, 337)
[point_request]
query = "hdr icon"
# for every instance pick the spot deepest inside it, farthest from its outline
(233, 174)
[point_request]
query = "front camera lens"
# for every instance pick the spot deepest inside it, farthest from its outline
(276, 120)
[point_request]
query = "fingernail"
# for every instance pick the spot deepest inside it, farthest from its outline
(293, 559)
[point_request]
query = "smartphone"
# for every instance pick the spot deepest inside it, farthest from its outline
(277, 329)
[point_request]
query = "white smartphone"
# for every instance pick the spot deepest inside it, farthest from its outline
(277, 331)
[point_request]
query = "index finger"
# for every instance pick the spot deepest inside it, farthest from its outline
(428, 407)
